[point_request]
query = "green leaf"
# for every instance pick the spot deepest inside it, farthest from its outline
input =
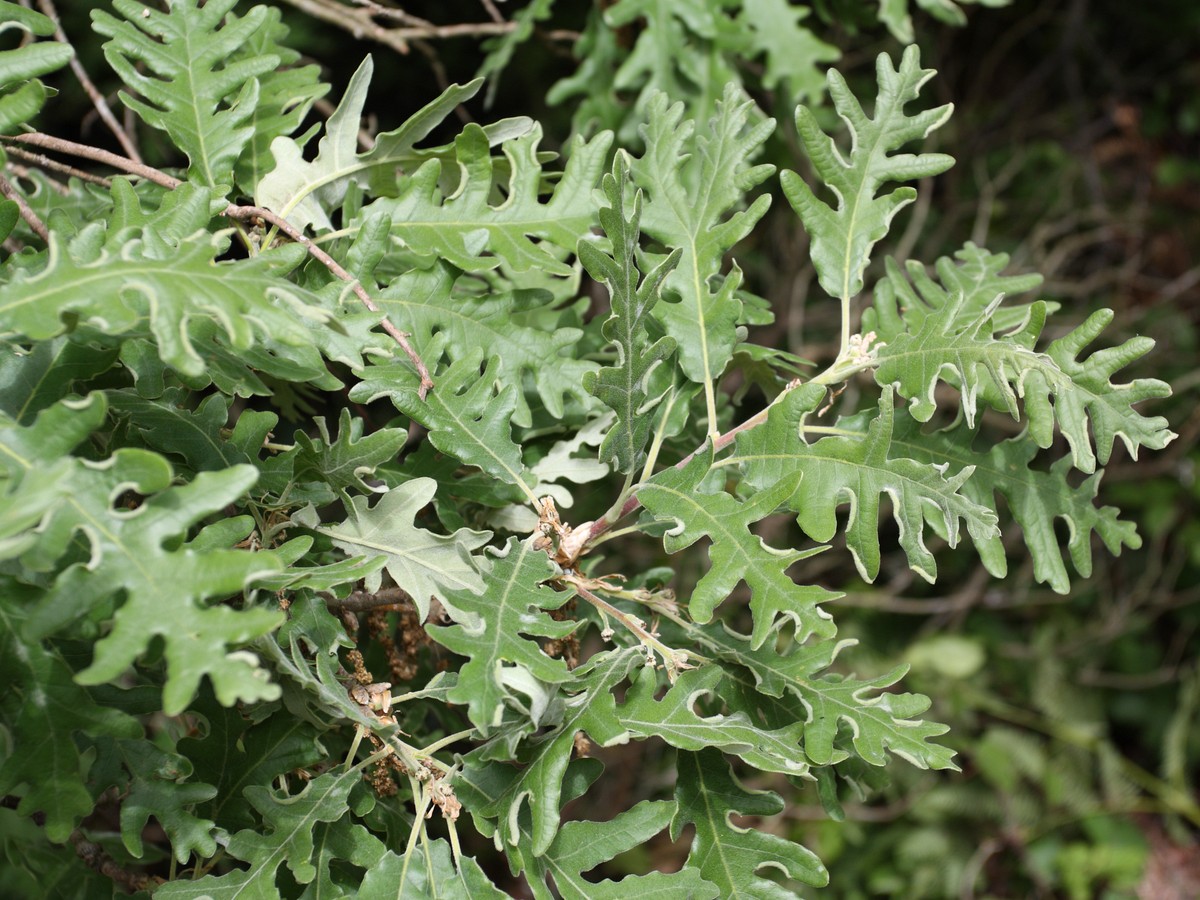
(287, 835)
(878, 721)
(231, 752)
(1034, 498)
(675, 721)
(622, 387)
(285, 96)
(180, 62)
(35, 471)
(857, 470)
(581, 846)
(695, 184)
(969, 289)
(21, 94)
(159, 789)
(1054, 385)
(164, 589)
(423, 563)
(677, 51)
(48, 372)
(349, 843)
(479, 327)
(496, 792)
(197, 435)
(736, 554)
(41, 709)
(842, 237)
(467, 416)
(793, 53)
(501, 48)
(727, 855)
(521, 233)
(489, 628)
(344, 461)
(895, 14)
(306, 192)
(429, 872)
(180, 296)
(1094, 401)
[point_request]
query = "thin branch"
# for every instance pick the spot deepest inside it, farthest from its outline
(365, 601)
(54, 165)
(249, 213)
(94, 857)
(30, 217)
(239, 213)
(98, 101)
(85, 151)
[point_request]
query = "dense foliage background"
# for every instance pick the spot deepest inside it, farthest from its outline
(1077, 135)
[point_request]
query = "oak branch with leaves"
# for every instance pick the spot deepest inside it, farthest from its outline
(291, 653)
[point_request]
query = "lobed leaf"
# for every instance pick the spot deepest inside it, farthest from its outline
(622, 387)
(736, 553)
(488, 631)
(423, 563)
(842, 236)
(467, 229)
(182, 62)
(1035, 499)
(467, 416)
(725, 854)
(485, 327)
(857, 470)
(694, 183)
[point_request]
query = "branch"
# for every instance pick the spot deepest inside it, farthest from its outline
(98, 101)
(30, 217)
(365, 601)
(239, 213)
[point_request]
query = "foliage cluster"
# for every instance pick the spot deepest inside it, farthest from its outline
(333, 662)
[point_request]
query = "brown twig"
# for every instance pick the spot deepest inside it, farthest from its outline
(30, 217)
(366, 601)
(94, 857)
(249, 213)
(81, 75)
(238, 213)
(86, 151)
(41, 159)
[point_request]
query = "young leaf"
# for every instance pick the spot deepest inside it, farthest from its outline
(159, 788)
(423, 563)
(180, 61)
(842, 237)
(622, 387)
(489, 629)
(694, 184)
(285, 96)
(857, 470)
(305, 192)
(736, 553)
(725, 854)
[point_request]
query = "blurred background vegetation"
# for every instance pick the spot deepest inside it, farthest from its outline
(1077, 135)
